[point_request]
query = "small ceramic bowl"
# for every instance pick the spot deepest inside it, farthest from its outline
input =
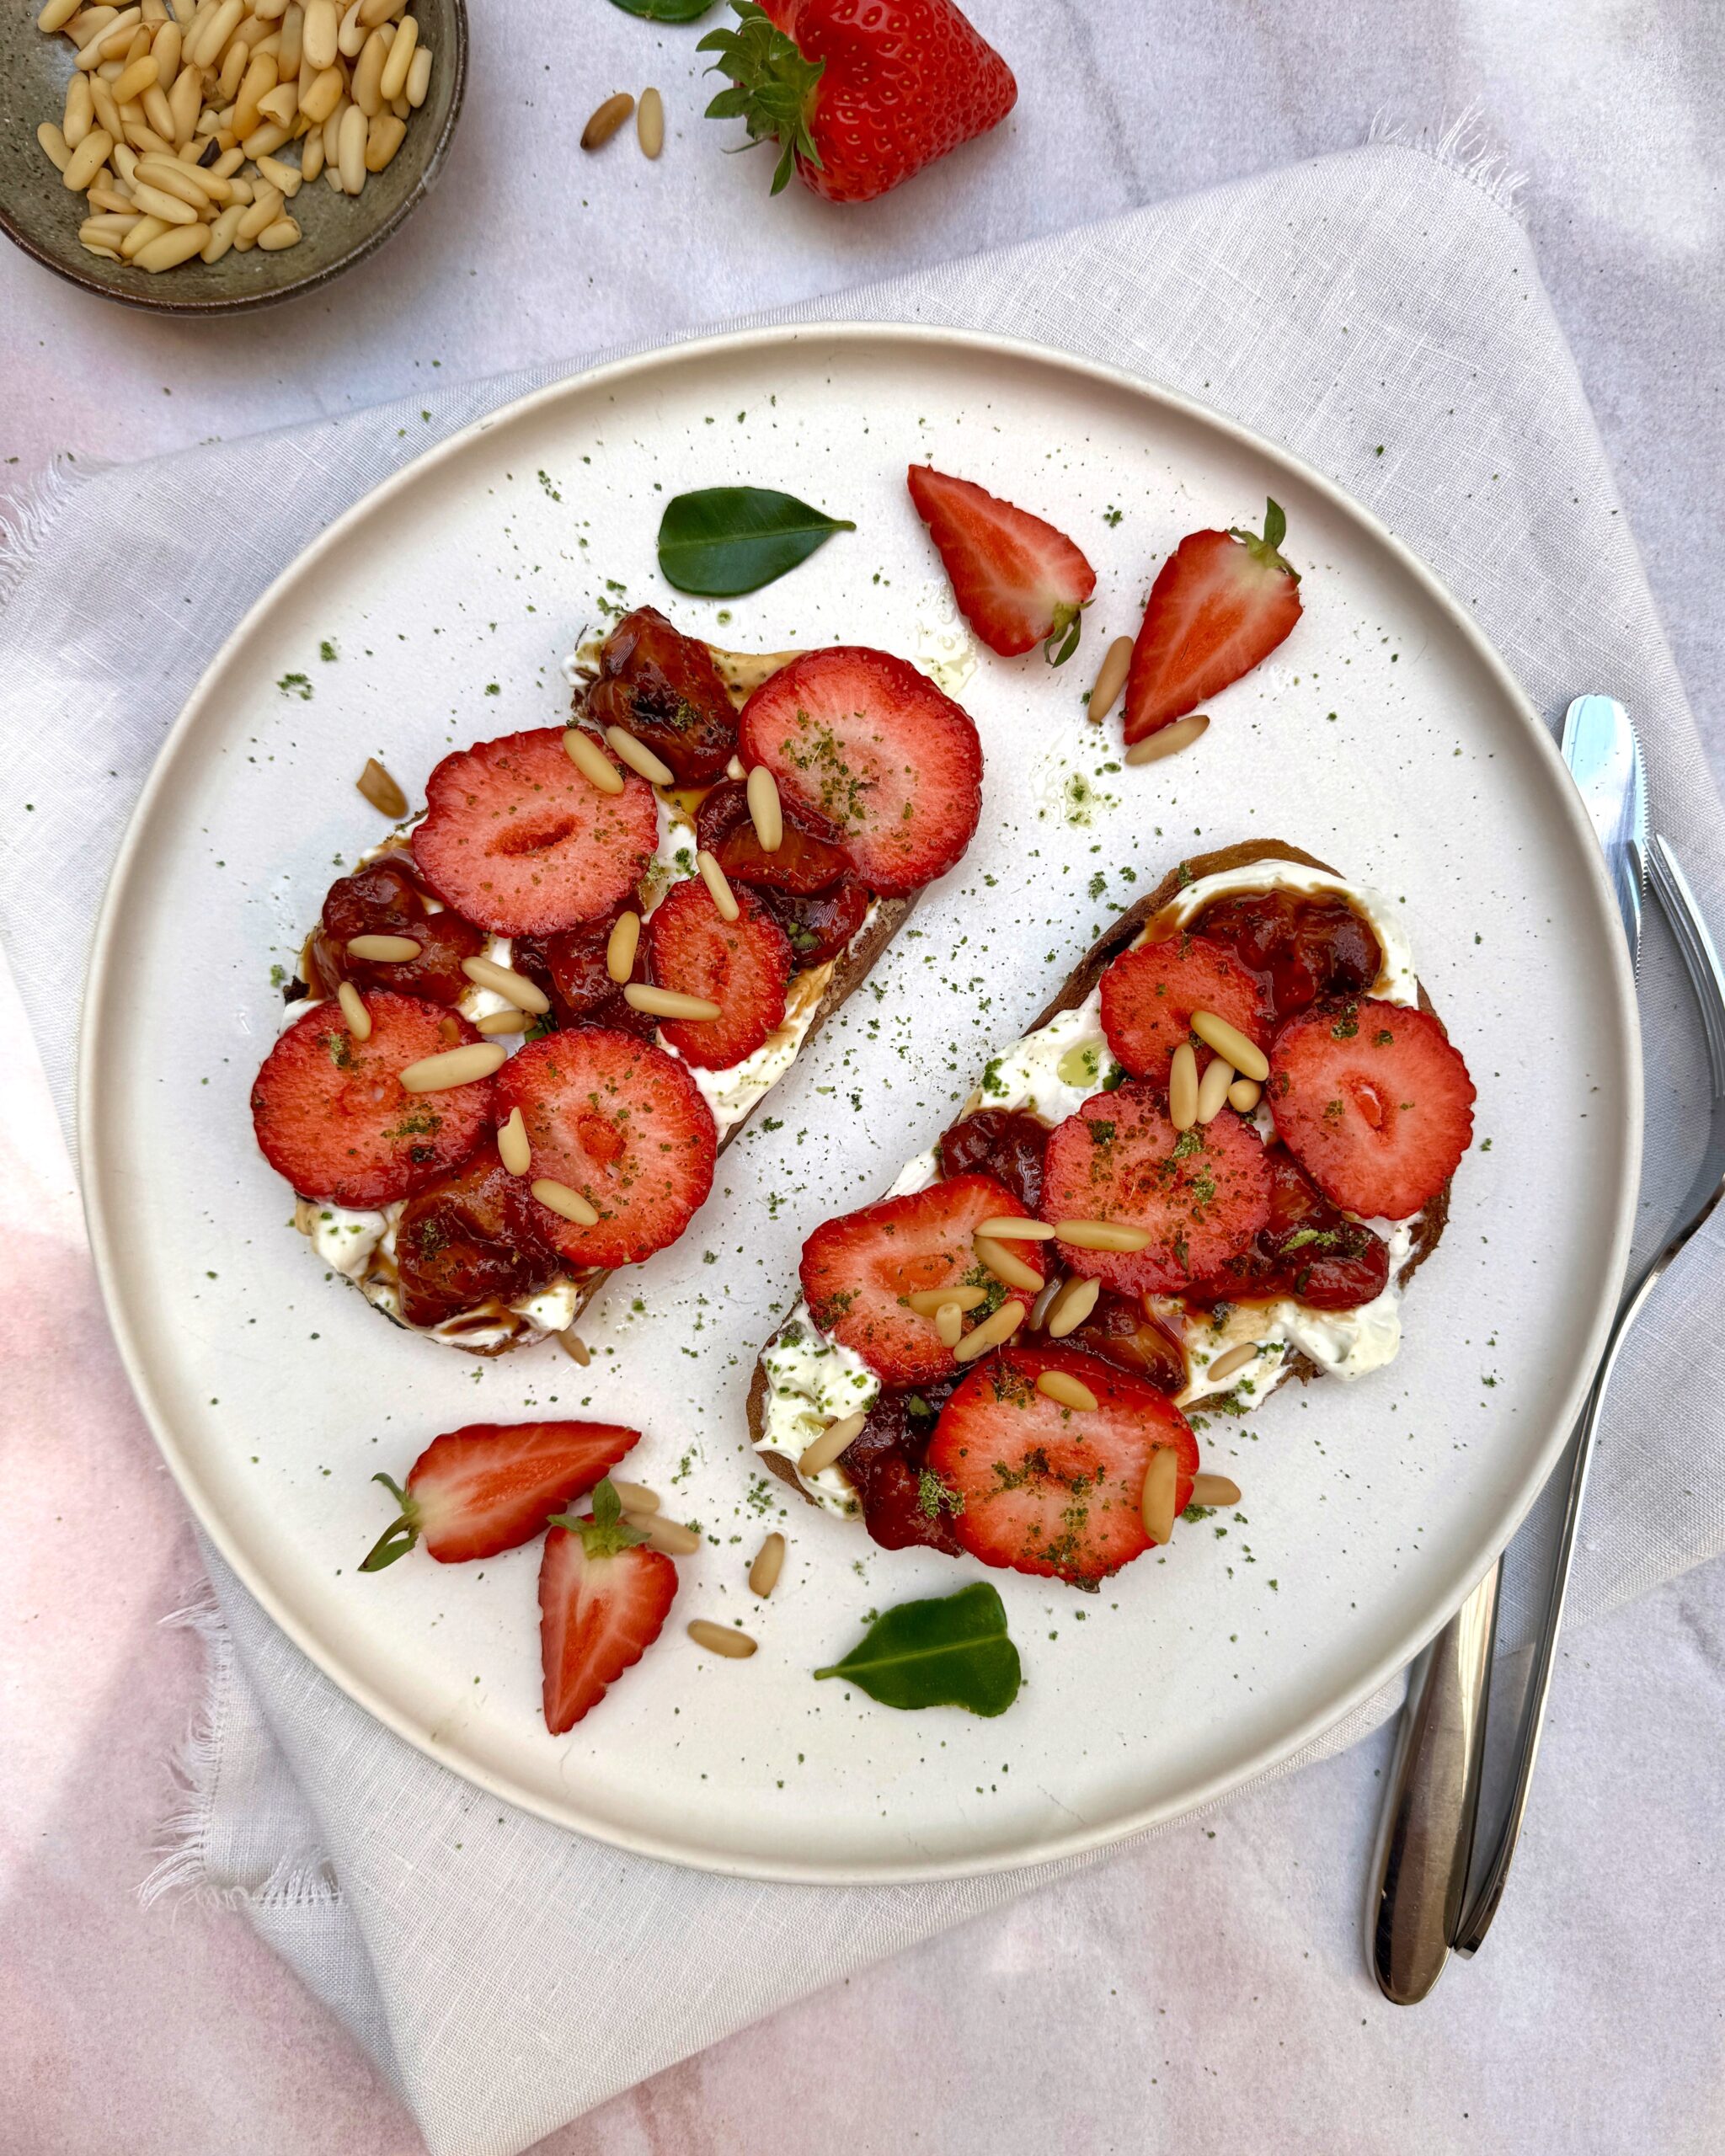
(37, 211)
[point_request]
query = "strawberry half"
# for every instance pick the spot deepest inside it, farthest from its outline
(1018, 582)
(872, 745)
(603, 1600)
(622, 1124)
(858, 1272)
(743, 965)
(1222, 602)
(1148, 995)
(519, 841)
(1373, 1102)
(1202, 1193)
(1057, 1490)
(490, 1487)
(858, 99)
(332, 1115)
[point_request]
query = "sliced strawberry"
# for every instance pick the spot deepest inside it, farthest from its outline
(664, 688)
(1018, 581)
(383, 899)
(1310, 1250)
(518, 841)
(1045, 1488)
(471, 1237)
(821, 925)
(1374, 1103)
(332, 1116)
(1148, 995)
(809, 857)
(1221, 603)
(623, 1125)
(859, 1271)
(872, 745)
(603, 1600)
(743, 965)
(1202, 1193)
(490, 1487)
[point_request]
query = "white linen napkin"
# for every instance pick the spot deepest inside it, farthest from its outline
(1380, 312)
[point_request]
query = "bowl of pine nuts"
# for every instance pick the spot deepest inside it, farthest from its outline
(199, 156)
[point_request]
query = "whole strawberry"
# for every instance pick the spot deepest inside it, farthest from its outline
(858, 93)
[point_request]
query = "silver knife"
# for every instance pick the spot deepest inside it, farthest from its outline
(1426, 1833)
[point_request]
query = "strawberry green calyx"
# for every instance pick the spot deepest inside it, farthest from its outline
(400, 1536)
(1266, 550)
(605, 1531)
(1062, 639)
(773, 86)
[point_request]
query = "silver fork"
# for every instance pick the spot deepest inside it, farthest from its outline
(1706, 974)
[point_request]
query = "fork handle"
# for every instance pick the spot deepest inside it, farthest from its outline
(1425, 1839)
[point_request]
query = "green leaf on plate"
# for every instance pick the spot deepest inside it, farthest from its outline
(663, 11)
(952, 1652)
(722, 542)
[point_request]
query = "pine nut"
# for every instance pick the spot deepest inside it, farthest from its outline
(284, 232)
(56, 14)
(264, 209)
(350, 149)
(365, 88)
(80, 113)
(831, 1442)
(667, 1003)
(87, 160)
(1072, 1306)
(512, 1147)
(1102, 1235)
(93, 54)
(639, 756)
(168, 249)
(107, 113)
(222, 230)
(1215, 1490)
(455, 1066)
(54, 145)
(155, 202)
(359, 1018)
(622, 945)
(765, 810)
(312, 155)
(384, 950)
(293, 43)
(496, 1023)
(419, 77)
(1167, 741)
(1161, 1488)
(1011, 1228)
(949, 1325)
(1182, 1087)
(166, 46)
(381, 790)
(591, 760)
(1059, 1385)
(351, 36)
(89, 25)
(95, 247)
(993, 1332)
(1110, 679)
(927, 1301)
(574, 1347)
(318, 102)
(719, 1639)
(139, 238)
(218, 26)
(1244, 1094)
(558, 1198)
(318, 38)
(1230, 1042)
(233, 68)
(1236, 1359)
(514, 988)
(635, 1497)
(140, 76)
(400, 59)
(384, 137)
(189, 182)
(769, 1563)
(996, 1258)
(649, 123)
(374, 11)
(159, 112)
(278, 105)
(1213, 1089)
(185, 100)
(669, 1536)
(606, 120)
(714, 877)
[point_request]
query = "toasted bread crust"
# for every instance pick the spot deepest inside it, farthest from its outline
(1077, 985)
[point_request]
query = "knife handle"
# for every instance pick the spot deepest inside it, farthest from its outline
(1425, 1835)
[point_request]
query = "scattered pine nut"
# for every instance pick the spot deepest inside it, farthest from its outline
(1236, 1359)
(574, 1347)
(949, 1325)
(512, 1147)
(496, 1023)
(1244, 1094)
(1070, 1307)
(1110, 679)
(286, 179)
(769, 1563)
(558, 1198)
(350, 149)
(502, 981)
(635, 1497)
(1009, 1228)
(667, 1003)
(400, 60)
(359, 1018)
(668, 1536)
(168, 249)
(765, 810)
(55, 145)
(384, 950)
(606, 121)
(831, 1442)
(996, 1258)
(1214, 1490)
(86, 160)
(381, 790)
(926, 1301)
(1161, 1488)
(993, 1332)
(1167, 741)
(1229, 1042)
(1102, 1235)
(714, 877)
(1213, 1089)
(419, 77)
(591, 760)
(639, 757)
(454, 1066)
(649, 123)
(719, 1638)
(384, 137)
(620, 945)
(222, 230)
(1059, 1385)
(1182, 1087)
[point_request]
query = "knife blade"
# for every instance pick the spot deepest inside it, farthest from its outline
(1604, 758)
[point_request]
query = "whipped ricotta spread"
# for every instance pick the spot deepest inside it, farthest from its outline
(814, 1380)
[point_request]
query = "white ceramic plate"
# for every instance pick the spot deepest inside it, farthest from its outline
(1384, 737)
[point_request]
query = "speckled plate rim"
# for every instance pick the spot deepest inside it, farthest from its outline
(1618, 1011)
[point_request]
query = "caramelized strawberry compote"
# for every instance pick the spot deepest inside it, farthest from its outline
(901, 1509)
(1118, 1330)
(1310, 1251)
(1004, 1142)
(570, 968)
(470, 1239)
(1304, 948)
(809, 885)
(664, 688)
(383, 899)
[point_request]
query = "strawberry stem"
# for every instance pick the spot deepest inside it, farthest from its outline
(605, 1531)
(773, 86)
(1068, 628)
(400, 1536)
(1267, 550)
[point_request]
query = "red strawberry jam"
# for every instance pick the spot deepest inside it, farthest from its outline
(383, 899)
(1303, 948)
(1308, 1250)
